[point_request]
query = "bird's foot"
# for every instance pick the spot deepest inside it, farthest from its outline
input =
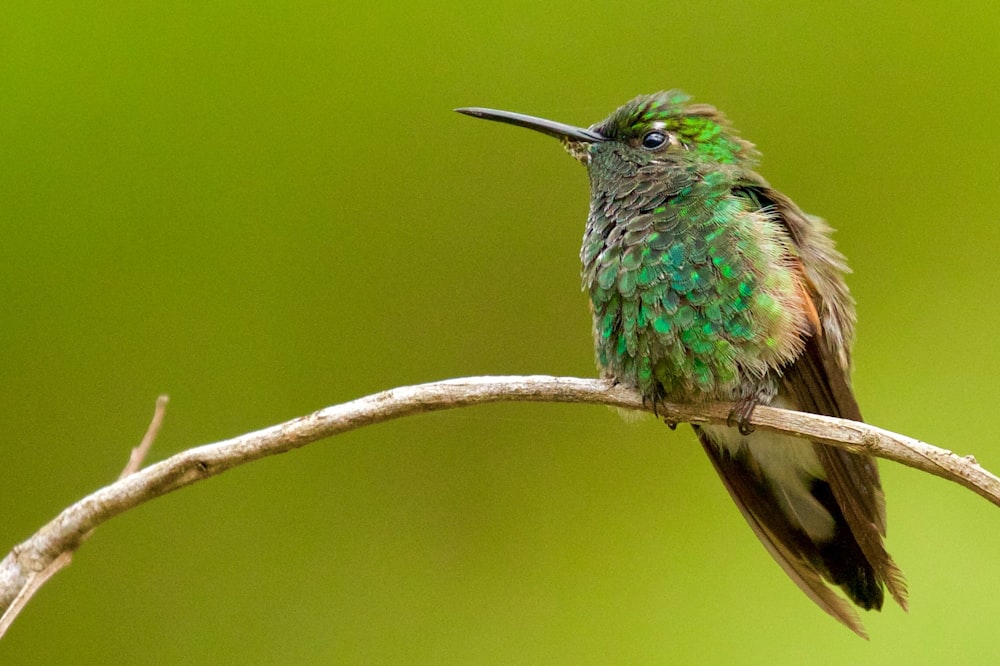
(654, 401)
(650, 401)
(739, 416)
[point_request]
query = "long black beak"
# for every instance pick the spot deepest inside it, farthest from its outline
(550, 127)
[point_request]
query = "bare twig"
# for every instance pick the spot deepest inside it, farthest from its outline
(28, 564)
(139, 453)
(34, 580)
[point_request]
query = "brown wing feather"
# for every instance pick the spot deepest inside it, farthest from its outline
(818, 385)
(818, 381)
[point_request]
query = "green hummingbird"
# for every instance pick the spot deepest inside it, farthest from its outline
(706, 284)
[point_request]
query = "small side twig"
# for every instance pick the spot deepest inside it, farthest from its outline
(139, 453)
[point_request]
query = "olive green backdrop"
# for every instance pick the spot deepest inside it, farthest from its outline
(264, 208)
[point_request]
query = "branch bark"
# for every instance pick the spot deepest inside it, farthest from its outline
(34, 561)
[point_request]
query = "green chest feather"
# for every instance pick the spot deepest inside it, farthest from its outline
(693, 291)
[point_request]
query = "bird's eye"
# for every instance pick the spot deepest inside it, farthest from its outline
(653, 140)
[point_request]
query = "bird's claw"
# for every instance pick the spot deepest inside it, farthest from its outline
(739, 416)
(652, 402)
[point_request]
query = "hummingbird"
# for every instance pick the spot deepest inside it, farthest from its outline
(706, 284)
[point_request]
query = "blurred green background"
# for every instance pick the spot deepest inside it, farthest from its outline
(264, 208)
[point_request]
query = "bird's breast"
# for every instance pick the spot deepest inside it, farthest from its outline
(693, 295)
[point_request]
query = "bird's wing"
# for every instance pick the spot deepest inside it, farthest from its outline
(818, 382)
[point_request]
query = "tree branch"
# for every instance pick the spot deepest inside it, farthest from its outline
(32, 562)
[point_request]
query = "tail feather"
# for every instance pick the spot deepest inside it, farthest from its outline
(816, 548)
(815, 383)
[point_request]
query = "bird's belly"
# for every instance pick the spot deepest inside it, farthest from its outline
(690, 349)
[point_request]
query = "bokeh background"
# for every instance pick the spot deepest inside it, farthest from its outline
(264, 208)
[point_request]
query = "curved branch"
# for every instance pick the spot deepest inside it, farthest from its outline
(30, 563)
